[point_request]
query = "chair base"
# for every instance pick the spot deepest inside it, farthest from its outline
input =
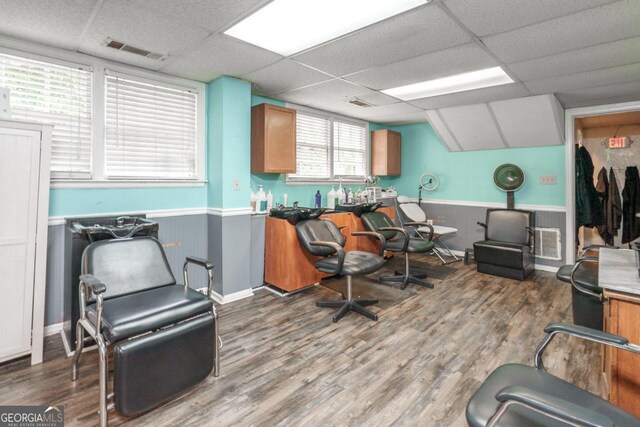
(356, 305)
(406, 279)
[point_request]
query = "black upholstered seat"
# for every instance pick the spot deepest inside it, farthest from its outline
(356, 263)
(137, 313)
(586, 276)
(400, 240)
(483, 403)
(586, 301)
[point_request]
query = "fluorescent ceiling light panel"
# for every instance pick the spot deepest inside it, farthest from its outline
(290, 26)
(451, 84)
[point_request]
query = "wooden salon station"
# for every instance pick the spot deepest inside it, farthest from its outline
(289, 267)
(618, 277)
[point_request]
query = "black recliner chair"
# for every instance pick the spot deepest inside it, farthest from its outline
(321, 237)
(399, 240)
(586, 296)
(508, 246)
(164, 335)
(524, 396)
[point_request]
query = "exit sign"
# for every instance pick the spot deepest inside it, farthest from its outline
(620, 142)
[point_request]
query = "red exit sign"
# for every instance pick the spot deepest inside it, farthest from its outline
(620, 142)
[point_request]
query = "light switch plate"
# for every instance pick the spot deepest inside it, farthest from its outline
(236, 184)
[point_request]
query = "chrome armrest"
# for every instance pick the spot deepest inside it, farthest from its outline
(422, 224)
(202, 263)
(336, 247)
(88, 282)
(383, 241)
(398, 230)
(573, 273)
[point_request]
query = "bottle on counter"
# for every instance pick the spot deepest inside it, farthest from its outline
(269, 201)
(350, 196)
(331, 198)
(252, 201)
(342, 195)
(318, 200)
(261, 200)
(285, 200)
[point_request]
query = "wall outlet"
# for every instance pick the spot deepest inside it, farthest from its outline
(430, 222)
(236, 184)
(548, 180)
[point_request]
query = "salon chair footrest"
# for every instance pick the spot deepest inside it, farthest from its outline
(153, 368)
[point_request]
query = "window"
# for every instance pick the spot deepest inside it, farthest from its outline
(329, 148)
(150, 130)
(56, 94)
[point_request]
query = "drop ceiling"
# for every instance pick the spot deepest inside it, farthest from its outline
(585, 52)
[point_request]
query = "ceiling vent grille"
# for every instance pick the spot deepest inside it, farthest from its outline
(359, 102)
(135, 50)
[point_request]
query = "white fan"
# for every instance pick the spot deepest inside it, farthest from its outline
(429, 181)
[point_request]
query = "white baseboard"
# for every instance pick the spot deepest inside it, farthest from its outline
(53, 329)
(549, 268)
(225, 299)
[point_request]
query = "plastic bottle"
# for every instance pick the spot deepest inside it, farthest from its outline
(318, 199)
(269, 201)
(261, 200)
(331, 198)
(285, 199)
(350, 197)
(252, 201)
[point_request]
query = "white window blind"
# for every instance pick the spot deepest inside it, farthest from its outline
(56, 94)
(313, 147)
(150, 130)
(349, 150)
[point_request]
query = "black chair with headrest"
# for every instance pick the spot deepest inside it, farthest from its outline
(321, 237)
(399, 240)
(164, 335)
(508, 246)
(525, 396)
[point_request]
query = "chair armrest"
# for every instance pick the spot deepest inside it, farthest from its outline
(550, 405)
(482, 224)
(336, 247)
(422, 224)
(573, 273)
(93, 283)
(588, 334)
(398, 230)
(383, 241)
(200, 261)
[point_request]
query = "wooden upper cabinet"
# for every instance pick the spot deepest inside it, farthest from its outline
(385, 152)
(273, 139)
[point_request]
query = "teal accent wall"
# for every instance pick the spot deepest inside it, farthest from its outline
(229, 142)
(468, 176)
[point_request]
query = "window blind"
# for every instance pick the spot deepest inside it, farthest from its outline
(349, 150)
(55, 94)
(313, 147)
(150, 130)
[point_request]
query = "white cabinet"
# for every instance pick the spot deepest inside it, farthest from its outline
(24, 206)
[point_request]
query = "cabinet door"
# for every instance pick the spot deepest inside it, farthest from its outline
(19, 172)
(393, 154)
(280, 144)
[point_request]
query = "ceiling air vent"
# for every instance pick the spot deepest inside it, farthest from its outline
(359, 102)
(131, 49)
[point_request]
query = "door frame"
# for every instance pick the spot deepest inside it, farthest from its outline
(570, 115)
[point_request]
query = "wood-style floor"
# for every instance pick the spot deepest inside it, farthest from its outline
(285, 363)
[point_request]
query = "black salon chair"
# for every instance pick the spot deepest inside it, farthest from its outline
(586, 296)
(399, 240)
(508, 246)
(524, 396)
(164, 335)
(321, 237)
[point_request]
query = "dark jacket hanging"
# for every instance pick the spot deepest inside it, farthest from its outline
(630, 204)
(602, 187)
(589, 210)
(614, 205)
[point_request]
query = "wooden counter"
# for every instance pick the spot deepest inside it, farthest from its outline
(618, 276)
(290, 267)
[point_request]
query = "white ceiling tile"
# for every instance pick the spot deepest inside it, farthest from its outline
(376, 98)
(496, 93)
(613, 21)
(213, 15)
(423, 30)
(473, 127)
(220, 55)
(605, 55)
(55, 23)
(602, 77)
(382, 114)
(401, 119)
(609, 94)
(269, 80)
(126, 22)
(445, 62)
(485, 17)
(335, 91)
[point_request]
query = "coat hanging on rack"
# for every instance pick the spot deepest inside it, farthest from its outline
(589, 211)
(630, 205)
(614, 205)
(602, 187)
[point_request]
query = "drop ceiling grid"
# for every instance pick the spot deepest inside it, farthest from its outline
(269, 79)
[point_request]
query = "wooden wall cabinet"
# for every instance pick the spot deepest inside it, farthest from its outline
(621, 368)
(273, 139)
(385, 152)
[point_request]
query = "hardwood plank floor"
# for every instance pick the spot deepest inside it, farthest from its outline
(285, 363)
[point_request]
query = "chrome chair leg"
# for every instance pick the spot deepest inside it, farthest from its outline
(216, 345)
(350, 304)
(75, 368)
(104, 372)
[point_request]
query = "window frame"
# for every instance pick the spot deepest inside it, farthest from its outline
(333, 178)
(98, 67)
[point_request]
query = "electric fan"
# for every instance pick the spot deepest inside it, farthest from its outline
(509, 178)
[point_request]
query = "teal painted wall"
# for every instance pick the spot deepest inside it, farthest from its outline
(468, 176)
(229, 142)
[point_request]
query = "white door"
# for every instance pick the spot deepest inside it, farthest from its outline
(19, 173)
